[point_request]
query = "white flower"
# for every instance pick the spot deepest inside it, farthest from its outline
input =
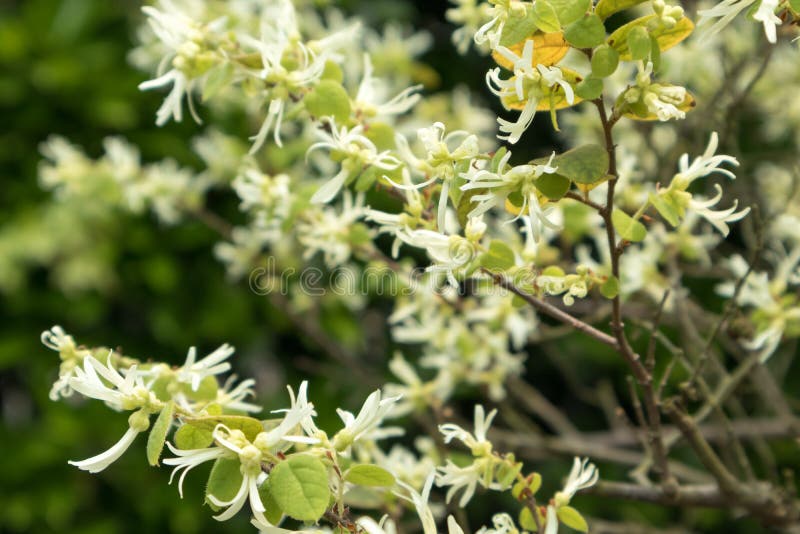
(469, 15)
(766, 15)
(521, 66)
(193, 372)
(282, 436)
(727, 10)
(720, 218)
(370, 95)
(301, 405)
(477, 443)
(420, 501)
(515, 86)
(232, 398)
(71, 358)
(328, 229)
(449, 253)
(458, 478)
(582, 475)
(127, 393)
(443, 153)
(370, 526)
(186, 41)
(358, 152)
(250, 457)
(366, 423)
(704, 165)
(187, 459)
(499, 12)
(664, 101)
(503, 524)
(278, 34)
(95, 464)
(526, 85)
(554, 76)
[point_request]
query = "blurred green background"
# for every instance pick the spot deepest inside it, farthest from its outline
(63, 70)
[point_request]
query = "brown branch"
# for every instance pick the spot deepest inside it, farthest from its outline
(552, 311)
(643, 376)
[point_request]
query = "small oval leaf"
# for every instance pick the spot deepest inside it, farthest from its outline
(665, 37)
(499, 258)
(300, 487)
(369, 475)
(572, 518)
(158, 433)
(250, 426)
(606, 8)
(189, 437)
(569, 11)
(545, 16)
(224, 481)
(328, 98)
(626, 226)
(587, 164)
(604, 61)
(586, 32)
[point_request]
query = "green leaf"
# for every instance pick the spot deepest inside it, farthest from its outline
(572, 518)
(587, 164)
(639, 43)
(666, 37)
(217, 78)
(610, 287)
(300, 487)
(206, 390)
(498, 156)
(587, 32)
(553, 186)
(517, 29)
(250, 426)
(545, 17)
(381, 134)
(794, 5)
(465, 205)
(507, 473)
(604, 61)
(532, 482)
(328, 98)
(272, 511)
(568, 11)
(629, 228)
(589, 88)
(499, 258)
(158, 433)
(655, 54)
(369, 475)
(526, 520)
(667, 210)
(332, 71)
(606, 8)
(224, 481)
(367, 179)
(188, 437)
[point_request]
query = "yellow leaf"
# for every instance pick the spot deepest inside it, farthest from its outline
(606, 8)
(666, 37)
(548, 49)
